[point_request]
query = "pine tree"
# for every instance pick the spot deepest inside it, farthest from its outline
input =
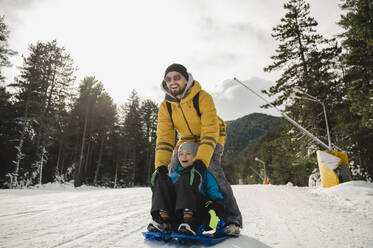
(43, 89)
(358, 57)
(90, 90)
(134, 135)
(105, 113)
(5, 51)
(356, 93)
(307, 61)
(117, 144)
(149, 115)
(7, 120)
(8, 133)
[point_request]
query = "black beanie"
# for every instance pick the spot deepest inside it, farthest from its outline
(179, 68)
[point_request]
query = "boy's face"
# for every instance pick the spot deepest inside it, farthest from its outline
(185, 158)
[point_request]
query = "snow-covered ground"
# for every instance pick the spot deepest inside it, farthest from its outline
(274, 216)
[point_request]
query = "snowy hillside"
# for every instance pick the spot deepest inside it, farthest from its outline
(274, 216)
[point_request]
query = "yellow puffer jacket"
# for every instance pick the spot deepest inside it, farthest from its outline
(207, 130)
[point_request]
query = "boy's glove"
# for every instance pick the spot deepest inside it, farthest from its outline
(215, 211)
(196, 174)
(161, 172)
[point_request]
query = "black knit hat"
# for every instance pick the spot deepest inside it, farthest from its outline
(179, 68)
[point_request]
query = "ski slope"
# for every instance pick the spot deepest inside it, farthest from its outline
(274, 216)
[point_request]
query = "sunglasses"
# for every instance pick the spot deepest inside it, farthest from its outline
(175, 78)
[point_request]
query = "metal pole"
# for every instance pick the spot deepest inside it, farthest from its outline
(264, 164)
(256, 173)
(327, 127)
(314, 99)
(287, 117)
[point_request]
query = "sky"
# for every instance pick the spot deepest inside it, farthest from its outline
(127, 45)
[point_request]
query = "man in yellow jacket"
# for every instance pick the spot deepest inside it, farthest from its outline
(188, 114)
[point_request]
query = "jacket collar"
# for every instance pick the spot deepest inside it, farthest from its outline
(179, 168)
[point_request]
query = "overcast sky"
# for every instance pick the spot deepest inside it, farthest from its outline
(128, 44)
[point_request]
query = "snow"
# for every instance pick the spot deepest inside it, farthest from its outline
(274, 216)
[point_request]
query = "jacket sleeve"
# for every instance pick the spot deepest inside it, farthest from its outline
(209, 128)
(213, 190)
(166, 135)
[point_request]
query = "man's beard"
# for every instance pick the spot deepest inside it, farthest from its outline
(179, 92)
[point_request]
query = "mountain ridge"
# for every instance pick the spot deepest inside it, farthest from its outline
(245, 130)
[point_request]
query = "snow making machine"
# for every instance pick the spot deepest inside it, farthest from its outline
(334, 168)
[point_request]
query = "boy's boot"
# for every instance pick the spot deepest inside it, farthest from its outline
(161, 223)
(188, 226)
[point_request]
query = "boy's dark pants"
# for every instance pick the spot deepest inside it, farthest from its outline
(176, 197)
(232, 212)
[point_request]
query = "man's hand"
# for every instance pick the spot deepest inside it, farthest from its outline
(160, 172)
(196, 174)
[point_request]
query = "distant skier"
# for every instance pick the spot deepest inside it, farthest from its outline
(191, 112)
(184, 198)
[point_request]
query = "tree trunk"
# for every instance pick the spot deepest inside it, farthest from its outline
(41, 165)
(116, 173)
(19, 155)
(58, 172)
(103, 136)
(134, 164)
(63, 168)
(301, 52)
(77, 181)
(87, 157)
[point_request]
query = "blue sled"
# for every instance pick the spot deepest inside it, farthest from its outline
(205, 239)
(158, 236)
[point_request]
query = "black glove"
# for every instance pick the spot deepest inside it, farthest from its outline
(219, 208)
(215, 210)
(161, 172)
(200, 166)
(196, 174)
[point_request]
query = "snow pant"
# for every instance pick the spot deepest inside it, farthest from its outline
(232, 212)
(176, 197)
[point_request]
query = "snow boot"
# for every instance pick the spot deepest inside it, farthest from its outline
(161, 223)
(188, 226)
(185, 228)
(155, 226)
(232, 230)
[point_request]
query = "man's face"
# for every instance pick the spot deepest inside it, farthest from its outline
(176, 83)
(185, 158)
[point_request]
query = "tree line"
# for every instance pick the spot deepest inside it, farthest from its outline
(53, 132)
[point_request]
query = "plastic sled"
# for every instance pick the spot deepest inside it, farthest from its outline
(201, 238)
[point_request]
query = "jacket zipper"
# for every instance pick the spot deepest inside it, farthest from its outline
(190, 130)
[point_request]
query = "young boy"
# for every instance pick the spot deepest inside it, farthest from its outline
(182, 204)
